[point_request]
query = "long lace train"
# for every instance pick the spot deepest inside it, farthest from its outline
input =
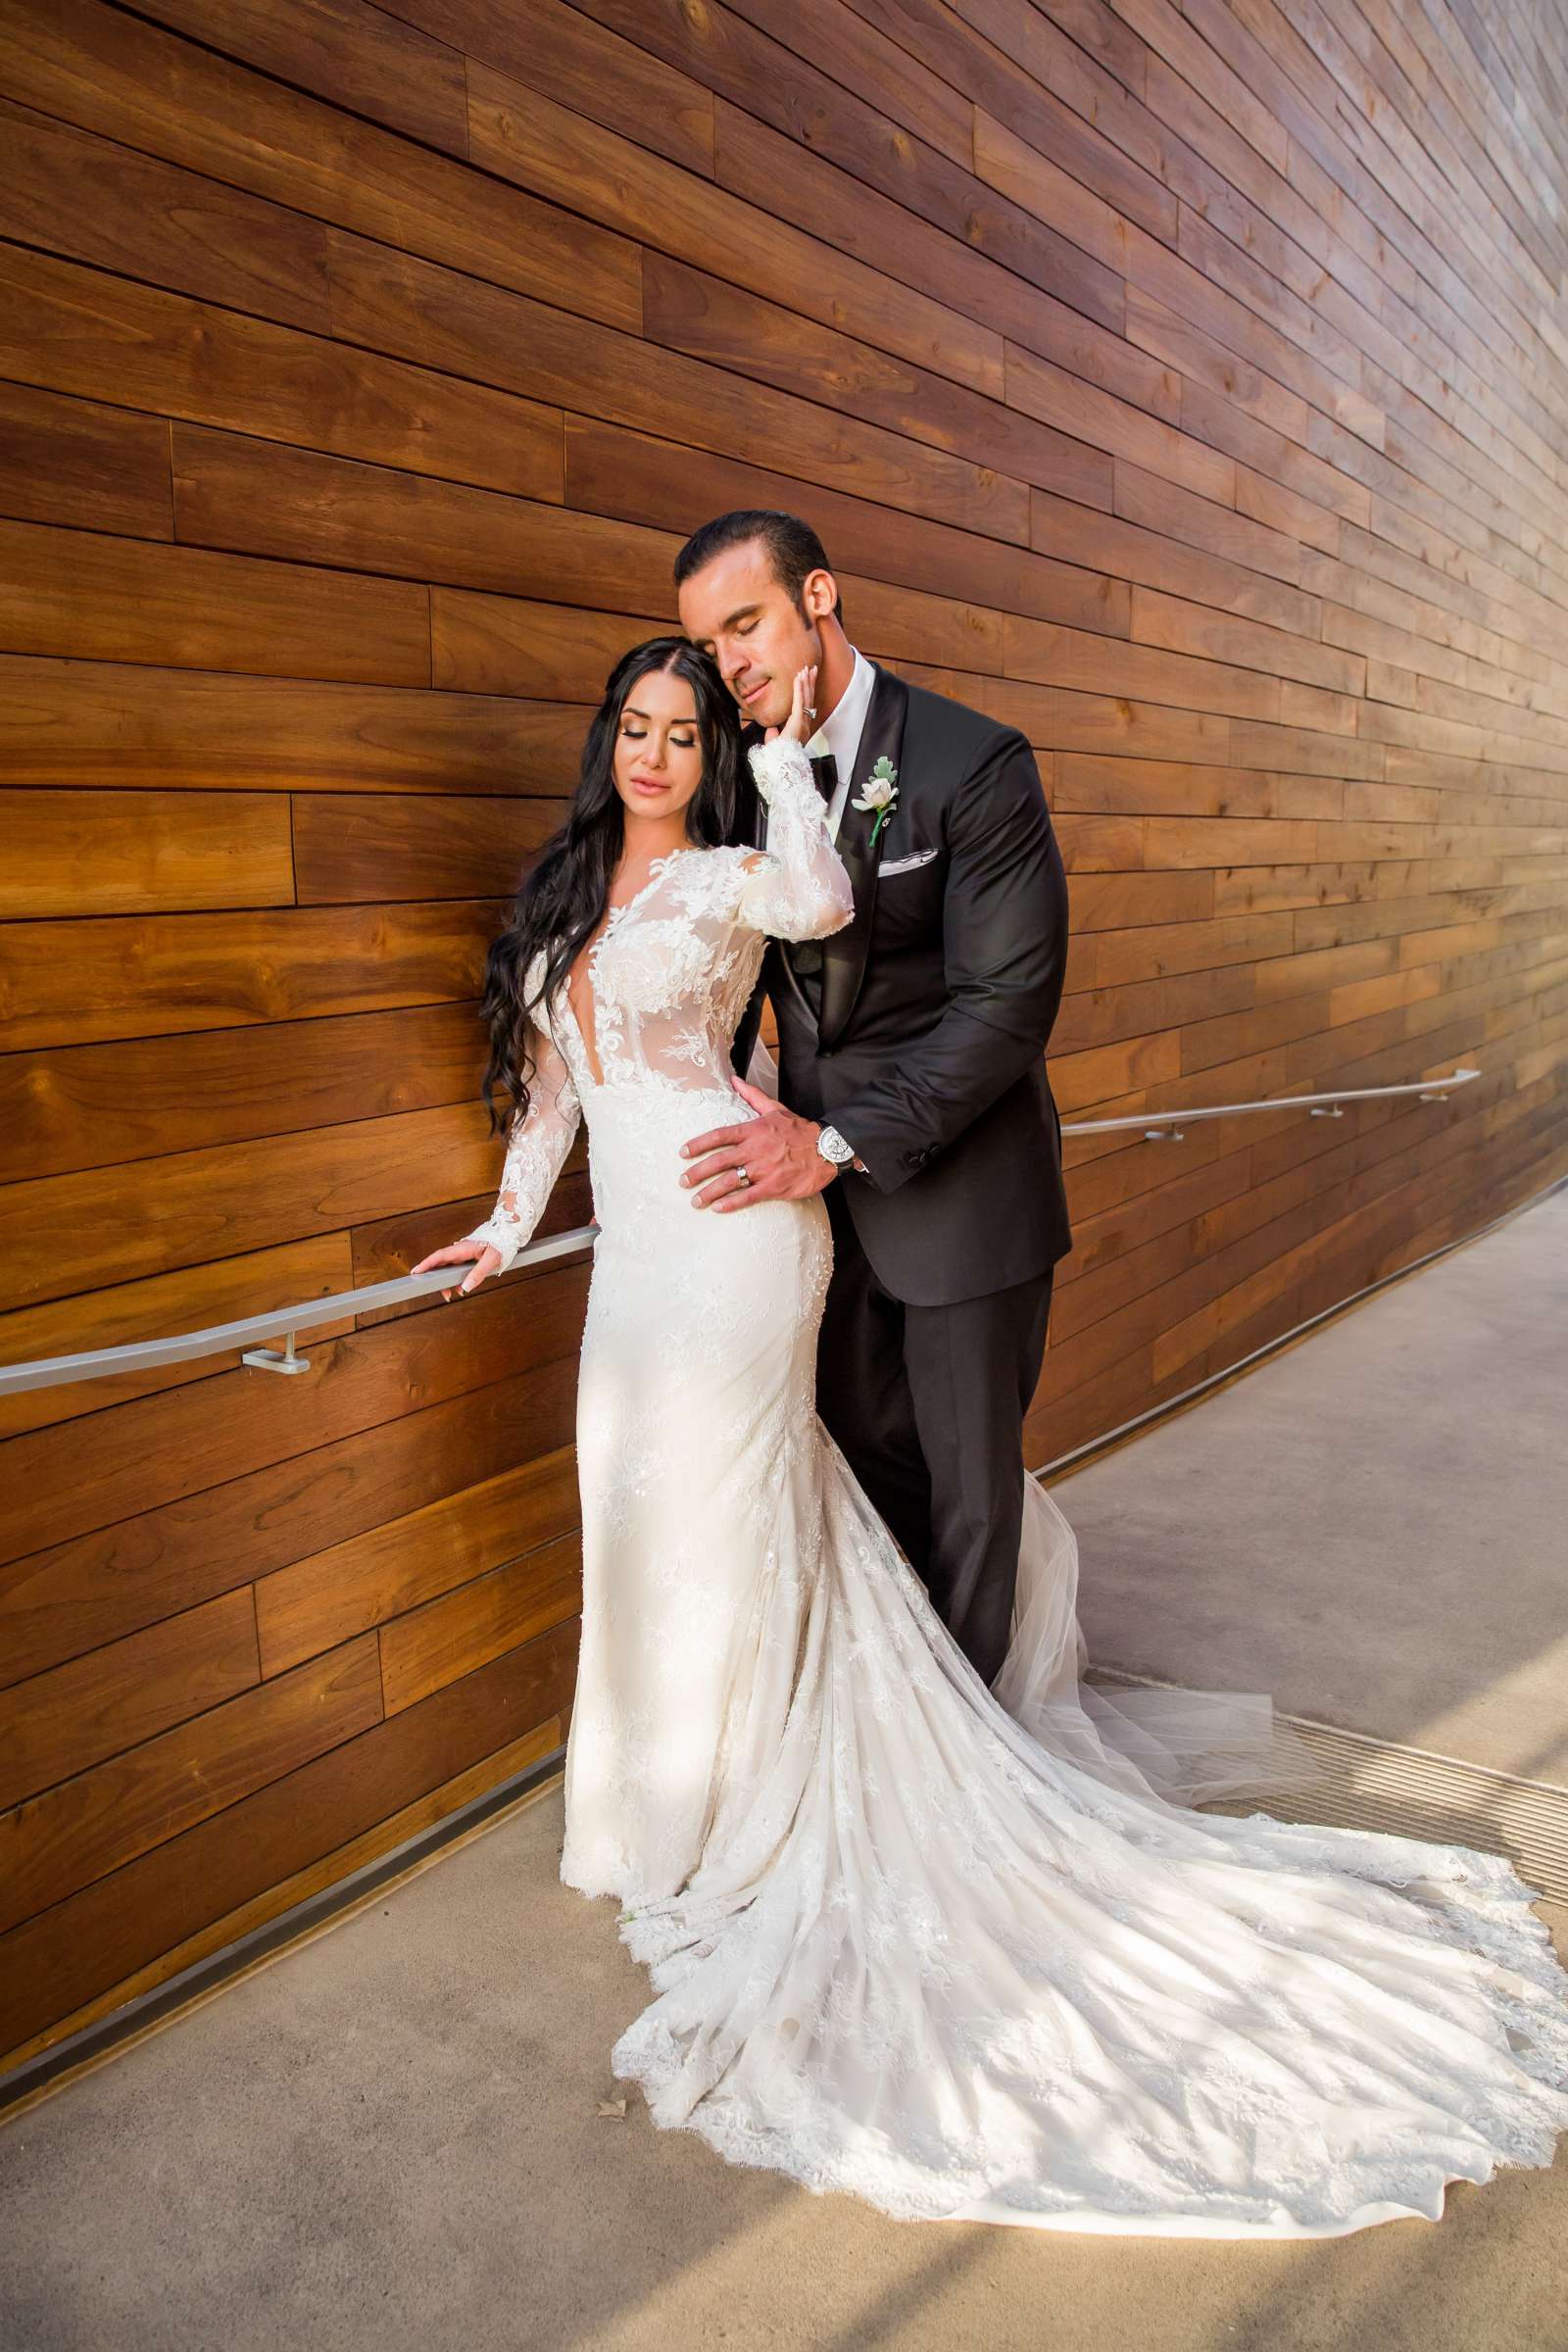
(929, 1961)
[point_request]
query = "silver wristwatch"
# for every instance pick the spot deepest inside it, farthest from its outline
(834, 1148)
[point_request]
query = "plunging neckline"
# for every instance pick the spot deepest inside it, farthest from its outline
(588, 959)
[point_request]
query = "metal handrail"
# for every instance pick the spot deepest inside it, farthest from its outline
(150, 1356)
(333, 1306)
(1157, 1125)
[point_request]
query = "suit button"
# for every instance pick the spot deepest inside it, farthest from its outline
(824, 1052)
(912, 1159)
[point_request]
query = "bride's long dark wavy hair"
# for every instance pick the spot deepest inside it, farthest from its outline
(563, 900)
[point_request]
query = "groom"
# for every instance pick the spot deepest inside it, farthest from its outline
(912, 1051)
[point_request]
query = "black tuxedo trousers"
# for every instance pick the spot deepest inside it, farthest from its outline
(927, 1406)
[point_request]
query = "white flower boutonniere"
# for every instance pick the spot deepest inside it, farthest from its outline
(881, 792)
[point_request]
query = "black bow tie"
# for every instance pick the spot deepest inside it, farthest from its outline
(827, 771)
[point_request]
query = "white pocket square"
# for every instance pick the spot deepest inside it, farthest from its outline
(904, 865)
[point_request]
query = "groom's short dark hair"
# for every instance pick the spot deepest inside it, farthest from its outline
(792, 548)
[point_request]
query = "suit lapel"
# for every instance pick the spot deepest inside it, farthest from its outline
(843, 953)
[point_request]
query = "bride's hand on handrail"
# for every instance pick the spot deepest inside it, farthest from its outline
(801, 723)
(485, 1258)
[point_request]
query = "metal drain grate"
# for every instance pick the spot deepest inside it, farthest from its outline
(1372, 1784)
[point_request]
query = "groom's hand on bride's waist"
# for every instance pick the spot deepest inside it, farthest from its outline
(771, 1158)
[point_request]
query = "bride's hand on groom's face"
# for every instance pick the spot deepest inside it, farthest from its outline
(777, 1152)
(801, 720)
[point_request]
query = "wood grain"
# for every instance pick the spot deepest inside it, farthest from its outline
(79, 462)
(191, 1299)
(317, 1604)
(213, 1087)
(85, 593)
(103, 1817)
(78, 723)
(73, 1596)
(54, 1963)
(135, 84)
(152, 975)
(89, 331)
(110, 853)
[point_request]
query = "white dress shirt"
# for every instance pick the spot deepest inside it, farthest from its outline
(840, 731)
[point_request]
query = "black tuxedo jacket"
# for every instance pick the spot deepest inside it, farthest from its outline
(927, 1046)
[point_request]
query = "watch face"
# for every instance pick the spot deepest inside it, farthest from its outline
(833, 1147)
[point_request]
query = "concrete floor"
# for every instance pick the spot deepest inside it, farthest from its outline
(1373, 1525)
(391, 2134)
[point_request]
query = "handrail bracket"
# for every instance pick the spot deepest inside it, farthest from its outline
(270, 1359)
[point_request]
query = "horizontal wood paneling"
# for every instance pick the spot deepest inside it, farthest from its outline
(85, 593)
(214, 1087)
(481, 1620)
(128, 81)
(108, 1814)
(100, 723)
(201, 362)
(81, 462)
(83, 1591)
(315, 1604)
(55, 1964)
(1184, 385)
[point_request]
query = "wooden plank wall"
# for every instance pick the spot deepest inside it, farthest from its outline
(1183, 383)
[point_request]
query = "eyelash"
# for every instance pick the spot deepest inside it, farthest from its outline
(682, 742)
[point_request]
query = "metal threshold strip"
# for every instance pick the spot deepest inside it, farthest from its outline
(1383, 1784)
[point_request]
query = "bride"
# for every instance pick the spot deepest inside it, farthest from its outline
(952, 1948)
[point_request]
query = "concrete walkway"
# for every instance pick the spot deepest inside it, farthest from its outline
(391, 2135)
(1372, 1525)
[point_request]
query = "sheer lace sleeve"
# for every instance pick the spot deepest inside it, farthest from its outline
(536, 1153)
(798, 887)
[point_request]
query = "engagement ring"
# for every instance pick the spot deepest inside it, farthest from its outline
(740, 1177)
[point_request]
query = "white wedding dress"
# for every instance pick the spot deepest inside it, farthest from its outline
(904, 1943)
